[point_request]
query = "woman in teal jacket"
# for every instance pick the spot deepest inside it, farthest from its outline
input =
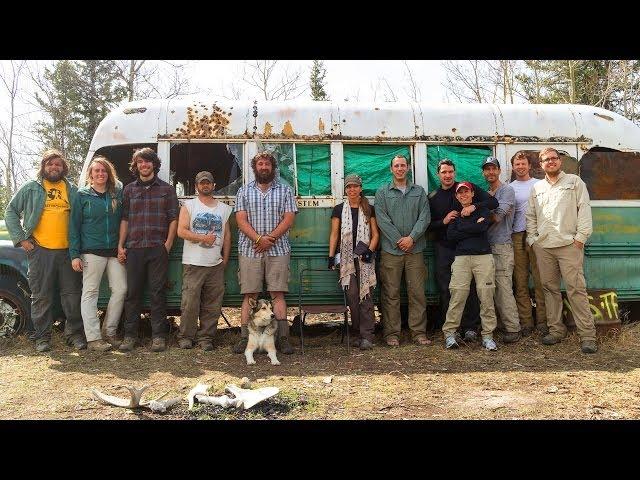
(93, 247)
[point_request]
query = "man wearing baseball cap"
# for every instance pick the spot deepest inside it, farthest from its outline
(203, 224)
(473, 261)
(445, 208)
(499, 235)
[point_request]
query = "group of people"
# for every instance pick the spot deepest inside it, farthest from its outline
(73, 235)
(485, 242)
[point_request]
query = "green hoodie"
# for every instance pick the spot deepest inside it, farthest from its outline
(94, 223)
(28, 202)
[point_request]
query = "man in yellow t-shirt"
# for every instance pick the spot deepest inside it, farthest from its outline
(37, 219)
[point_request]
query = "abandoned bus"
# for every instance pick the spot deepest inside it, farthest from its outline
(318, 143)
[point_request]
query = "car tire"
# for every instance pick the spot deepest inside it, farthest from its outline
(15, 307)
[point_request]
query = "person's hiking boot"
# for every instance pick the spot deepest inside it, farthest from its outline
(283, 345)
(158, 344)
(282, 340)
(450, 342)
(365, 344)
(207, 346)
(550, 339)
(241, 346)
(185, 343)
(77, 342)
(470, 336)
(526, 331)
(589, 346)
(490, 344)
(511, 337)
(128, 344)
(543, 330)
(43, 346)
(99, 346)
(355, 342)
(392, 342)
(111, 339)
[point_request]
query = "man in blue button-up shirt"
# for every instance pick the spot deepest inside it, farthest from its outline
(265, 211)
(402, 211)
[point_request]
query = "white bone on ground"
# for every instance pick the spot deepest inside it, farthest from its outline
(199, 389)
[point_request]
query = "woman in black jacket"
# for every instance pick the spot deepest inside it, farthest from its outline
(473, 261)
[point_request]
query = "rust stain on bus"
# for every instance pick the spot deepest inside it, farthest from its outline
(303, 232)
(202, 124)
(287, 130)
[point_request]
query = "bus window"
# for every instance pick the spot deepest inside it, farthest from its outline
(283, 152)
(611, 174)
(372, 163)
(223, 160)
(569, 163)
(310, 163)
(120, 156)
(467, 159)
(313, 162)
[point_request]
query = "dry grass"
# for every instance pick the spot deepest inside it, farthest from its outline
(521, 381)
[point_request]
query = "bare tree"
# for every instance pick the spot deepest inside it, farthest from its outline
(272, 81)
(412, 89)
(10, 83)
(355, 96)
(383, 87)
(152, 79)
(470, 81)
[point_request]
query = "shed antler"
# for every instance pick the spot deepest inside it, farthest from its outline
(133, 402)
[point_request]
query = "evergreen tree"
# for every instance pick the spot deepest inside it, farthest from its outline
(317, 83)
(75, 97)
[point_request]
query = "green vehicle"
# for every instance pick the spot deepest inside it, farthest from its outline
(318, 143)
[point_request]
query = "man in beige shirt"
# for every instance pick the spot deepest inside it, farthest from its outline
(558, 225)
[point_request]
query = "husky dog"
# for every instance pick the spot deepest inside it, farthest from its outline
(262, 329)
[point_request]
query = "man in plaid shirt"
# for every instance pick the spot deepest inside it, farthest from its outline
(265, 211)
(147, 230)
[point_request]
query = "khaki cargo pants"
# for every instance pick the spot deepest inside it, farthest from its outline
(503, 298)
(524, 257)
(565, 263)
(415, 272)
(202, 292)
(463, 269)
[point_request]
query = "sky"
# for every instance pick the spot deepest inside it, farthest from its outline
(353, 79)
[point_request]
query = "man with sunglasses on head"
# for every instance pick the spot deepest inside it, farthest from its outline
(558, 225)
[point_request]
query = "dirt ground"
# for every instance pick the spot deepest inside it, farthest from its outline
(522, 381)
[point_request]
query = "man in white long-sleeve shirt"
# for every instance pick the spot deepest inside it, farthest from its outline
(558, 225)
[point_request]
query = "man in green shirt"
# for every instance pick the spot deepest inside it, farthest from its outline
(402, 210)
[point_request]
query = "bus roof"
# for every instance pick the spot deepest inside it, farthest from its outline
(192, 118)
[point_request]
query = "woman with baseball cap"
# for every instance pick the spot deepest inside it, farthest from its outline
(354, 237)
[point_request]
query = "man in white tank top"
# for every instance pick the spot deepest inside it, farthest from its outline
(203, 224)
